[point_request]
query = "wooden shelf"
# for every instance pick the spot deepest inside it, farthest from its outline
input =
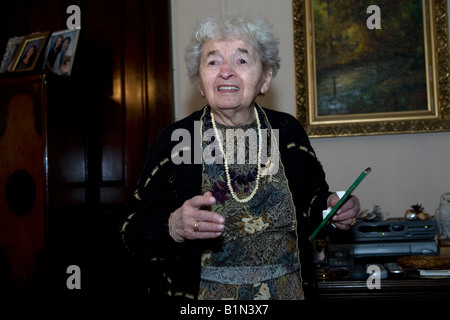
(402, 289)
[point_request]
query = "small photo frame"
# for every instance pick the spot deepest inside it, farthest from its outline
(60, 52)
(28, 54)
(12, 47)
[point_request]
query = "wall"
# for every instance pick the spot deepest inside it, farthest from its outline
(184, 16)
(407, 168)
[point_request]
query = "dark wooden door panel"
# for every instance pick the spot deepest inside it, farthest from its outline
(23, 193)
(100, 122)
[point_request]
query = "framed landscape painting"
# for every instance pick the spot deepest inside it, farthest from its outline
(363, 69)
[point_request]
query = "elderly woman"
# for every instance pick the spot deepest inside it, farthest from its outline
(216, 228)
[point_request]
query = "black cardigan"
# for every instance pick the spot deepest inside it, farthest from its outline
(164, 186)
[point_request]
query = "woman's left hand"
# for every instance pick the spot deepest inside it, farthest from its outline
(345, 217)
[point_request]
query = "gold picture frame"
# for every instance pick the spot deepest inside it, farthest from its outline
(29, 52)
(432, 116)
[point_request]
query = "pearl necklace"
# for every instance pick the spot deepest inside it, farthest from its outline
(227, 170)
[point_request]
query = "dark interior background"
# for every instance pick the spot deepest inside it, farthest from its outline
(100, 123)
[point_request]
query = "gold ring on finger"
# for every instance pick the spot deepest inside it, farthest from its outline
(196, 226)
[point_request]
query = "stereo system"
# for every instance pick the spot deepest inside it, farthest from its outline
(394, 229)
(384, 239)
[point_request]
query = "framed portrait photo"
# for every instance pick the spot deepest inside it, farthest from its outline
(28, 54)
(60, 52)
(363, 69)
(11, 49)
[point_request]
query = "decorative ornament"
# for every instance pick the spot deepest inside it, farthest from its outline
(416, 212)
(442, 216)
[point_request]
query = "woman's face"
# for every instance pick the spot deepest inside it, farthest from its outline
(231, 74)
(30, 51)
(58, 42)
(65, 44)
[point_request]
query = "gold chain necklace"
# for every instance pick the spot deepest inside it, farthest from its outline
(227, 170)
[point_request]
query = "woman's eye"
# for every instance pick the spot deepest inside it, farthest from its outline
(212, 63)
(242, 61)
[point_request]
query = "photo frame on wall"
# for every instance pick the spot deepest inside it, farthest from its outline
(352, 79)
(60, 52)
(27, 56)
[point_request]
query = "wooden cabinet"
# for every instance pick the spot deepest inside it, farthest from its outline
(23, 180)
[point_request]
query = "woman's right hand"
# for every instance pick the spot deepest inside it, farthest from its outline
(190, 221)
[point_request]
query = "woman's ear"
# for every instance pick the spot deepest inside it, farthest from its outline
(267, 79)
(201, 91)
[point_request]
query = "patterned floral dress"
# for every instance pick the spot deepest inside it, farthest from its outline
(258, 257)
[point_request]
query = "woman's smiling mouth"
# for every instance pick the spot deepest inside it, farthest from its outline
(228, 88)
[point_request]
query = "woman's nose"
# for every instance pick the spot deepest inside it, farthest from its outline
(227, 71)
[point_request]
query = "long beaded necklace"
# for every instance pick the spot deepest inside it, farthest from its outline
(227, 170)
